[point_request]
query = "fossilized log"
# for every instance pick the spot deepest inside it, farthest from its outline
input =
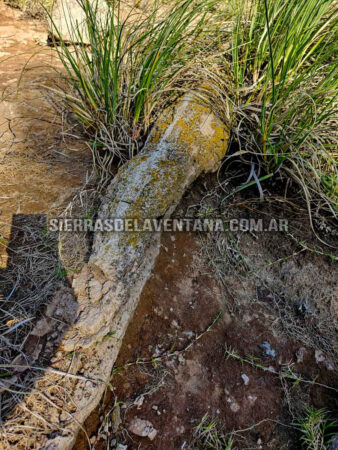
(187, 141)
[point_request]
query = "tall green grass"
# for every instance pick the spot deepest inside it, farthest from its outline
(273, 76)
(279, 81)
(133, 66)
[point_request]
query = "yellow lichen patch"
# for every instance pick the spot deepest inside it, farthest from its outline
(195, 141)
(206, 148)
(160, 127)
(196, 132)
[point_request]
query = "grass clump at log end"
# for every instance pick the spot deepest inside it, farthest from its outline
(269, 64)
(126, 68)
(278, 81)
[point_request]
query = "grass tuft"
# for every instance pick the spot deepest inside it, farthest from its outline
(270, 69)
(126, 68)
(316, 429)
(208, 436)
(278, 80)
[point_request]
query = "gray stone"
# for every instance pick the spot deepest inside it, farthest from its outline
(142, 428)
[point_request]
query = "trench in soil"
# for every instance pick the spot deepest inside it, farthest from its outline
(41, 168)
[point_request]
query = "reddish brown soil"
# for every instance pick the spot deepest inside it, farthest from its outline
(180, 297)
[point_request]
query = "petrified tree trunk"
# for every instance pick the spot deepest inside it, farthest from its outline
(187, 141)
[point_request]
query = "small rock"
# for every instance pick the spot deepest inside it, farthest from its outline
(300, 354)
(158, 350)
(116, 419)
(121, 447)
(227, 319)
(190, 334)
(181, 359)
(235, 407)
(268, 350)
(139, 401)
(252, 399)
(142, 428)
(245, 379)
(329, 365)
(319, 355)
(155, 407)
(170, 363)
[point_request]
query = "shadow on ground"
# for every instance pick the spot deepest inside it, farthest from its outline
(36, 306)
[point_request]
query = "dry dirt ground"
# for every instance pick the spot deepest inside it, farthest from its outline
(278, 303)
(39, 164)
(41, 168)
